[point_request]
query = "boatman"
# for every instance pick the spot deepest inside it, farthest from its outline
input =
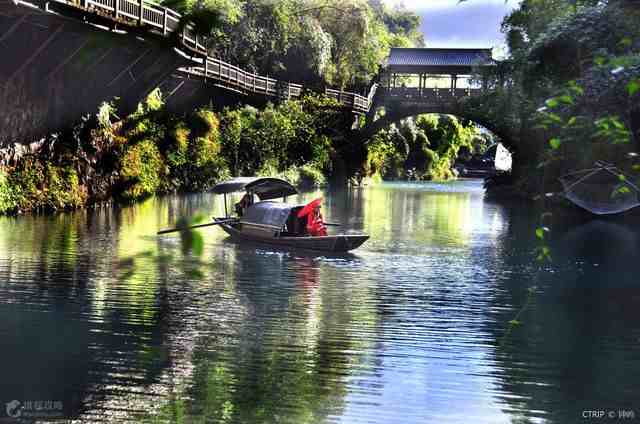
(244, 203)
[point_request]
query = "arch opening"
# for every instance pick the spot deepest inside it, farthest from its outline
(433, 146)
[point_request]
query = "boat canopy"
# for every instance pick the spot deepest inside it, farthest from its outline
(265, 187)
(272, 214)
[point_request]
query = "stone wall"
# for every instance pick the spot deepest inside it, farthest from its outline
(54, 70)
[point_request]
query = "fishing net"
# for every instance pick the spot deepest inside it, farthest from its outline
(601, 190)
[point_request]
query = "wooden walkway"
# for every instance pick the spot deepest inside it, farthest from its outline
(160, 20)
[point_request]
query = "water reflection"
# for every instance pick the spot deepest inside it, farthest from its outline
(119, 324)
(577, 348)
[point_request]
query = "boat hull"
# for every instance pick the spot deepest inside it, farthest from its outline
(337, 243)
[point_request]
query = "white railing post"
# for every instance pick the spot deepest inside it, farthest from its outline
(116, 7)
(165, 30)
(141, 17)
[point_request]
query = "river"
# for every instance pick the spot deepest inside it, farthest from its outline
(101, 320)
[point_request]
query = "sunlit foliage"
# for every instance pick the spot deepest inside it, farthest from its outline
(425, 147)
(333, 42)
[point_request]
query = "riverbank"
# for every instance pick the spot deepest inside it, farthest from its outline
(565, 102)
(105, 157)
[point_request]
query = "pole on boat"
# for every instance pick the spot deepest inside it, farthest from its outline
(191, 227)
(226, 214)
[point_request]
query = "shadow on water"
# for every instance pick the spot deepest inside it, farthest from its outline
(55, 326)
(577, 348)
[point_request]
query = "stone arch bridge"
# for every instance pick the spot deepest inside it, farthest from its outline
(418, 81)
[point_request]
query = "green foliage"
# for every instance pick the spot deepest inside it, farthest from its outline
(611, 128)
(63, 189)
(577, 62)
(27, 181)
(422, 148)
(147, 121)
(178, 148)
(142, 170)
(306, 176)
(281, 137)
(310, 176)
(386, 155)
(33, 184)
(8, 201)
(151, 152)
(593, 136)
(205, 165)
(543, 254)
(555, 143)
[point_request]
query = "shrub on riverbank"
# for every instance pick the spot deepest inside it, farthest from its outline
(152, 151)
(33, 184)
(8, 201)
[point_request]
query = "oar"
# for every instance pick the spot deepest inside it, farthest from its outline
(171, 230)
(331, 224)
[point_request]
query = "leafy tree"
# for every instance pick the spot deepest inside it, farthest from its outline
(333, 42)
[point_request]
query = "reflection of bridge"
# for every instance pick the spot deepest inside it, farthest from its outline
(67, 56)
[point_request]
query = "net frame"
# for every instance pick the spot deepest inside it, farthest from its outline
(612, 204)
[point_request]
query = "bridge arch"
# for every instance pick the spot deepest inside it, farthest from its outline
(466, 109)
(397, 113)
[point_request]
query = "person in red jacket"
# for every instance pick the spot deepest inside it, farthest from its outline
(315, 223)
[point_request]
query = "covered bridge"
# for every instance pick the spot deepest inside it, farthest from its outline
(412, 70)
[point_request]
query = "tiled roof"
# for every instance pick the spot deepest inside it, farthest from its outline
(439, 57)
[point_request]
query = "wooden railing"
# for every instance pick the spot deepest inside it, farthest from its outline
(235, 77)
(166, 21)
(430, 94)
(354, 101)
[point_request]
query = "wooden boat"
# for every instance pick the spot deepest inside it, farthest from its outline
(277, 223)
